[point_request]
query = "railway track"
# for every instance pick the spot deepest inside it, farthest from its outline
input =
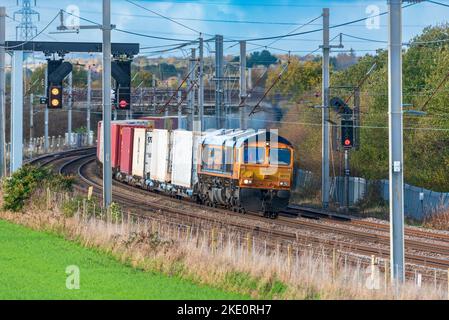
(52, 158)
(365, 224)
(363, 241)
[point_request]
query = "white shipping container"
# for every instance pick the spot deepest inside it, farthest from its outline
(139, 152)
(182, 158)
(160, 155)
(148, 152)
(100, 134)
(197, 139)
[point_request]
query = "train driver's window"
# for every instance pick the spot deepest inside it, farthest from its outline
(229, 159)
(280, 156)
(205, 157)
(254, 155)
(210, 158)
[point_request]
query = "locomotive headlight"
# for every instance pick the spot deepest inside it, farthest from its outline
(247, 181)
(283, 184)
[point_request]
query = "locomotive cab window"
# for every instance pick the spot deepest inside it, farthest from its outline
(280, 156)
(212, 158)
(254, 155)
(229, 159)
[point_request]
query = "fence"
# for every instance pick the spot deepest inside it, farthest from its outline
(36, 146)
(418, 202)
(293, 262)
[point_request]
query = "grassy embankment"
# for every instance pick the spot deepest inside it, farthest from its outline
(198, 256)
(33, 266)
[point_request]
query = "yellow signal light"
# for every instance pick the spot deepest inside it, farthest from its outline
(54, 91)
(55, 102)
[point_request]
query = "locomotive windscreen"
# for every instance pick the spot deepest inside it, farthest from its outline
(254, 155)
(280, 156)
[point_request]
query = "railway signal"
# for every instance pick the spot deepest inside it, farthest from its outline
(347, 133)
(121, 72)
(57, 70)
(55, 97)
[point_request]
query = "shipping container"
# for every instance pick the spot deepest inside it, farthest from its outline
(182, 152)
(197, 140)
(160, 155)
(115, 145)
(126, 150)
(99, 142)
(139, 142)
(148, 153)
(116, 133)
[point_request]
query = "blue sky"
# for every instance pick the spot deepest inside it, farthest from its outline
(267, 18)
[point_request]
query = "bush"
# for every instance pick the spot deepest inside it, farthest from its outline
(115, 212)
(59, 182)
(87, 207)
(24, 182)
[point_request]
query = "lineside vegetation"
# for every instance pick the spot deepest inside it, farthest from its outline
(426, 138)
(207, 256)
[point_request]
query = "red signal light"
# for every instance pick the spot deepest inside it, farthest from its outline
(347, 142)
(123, 104)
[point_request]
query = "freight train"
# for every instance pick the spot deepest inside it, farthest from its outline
(242, 170)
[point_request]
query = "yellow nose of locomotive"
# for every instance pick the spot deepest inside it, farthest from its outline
(270, 177)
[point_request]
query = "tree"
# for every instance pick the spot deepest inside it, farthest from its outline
(163, 70)
(299, 78)
(36, 81)
(264, 58)
(142, 78)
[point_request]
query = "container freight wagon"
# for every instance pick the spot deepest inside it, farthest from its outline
(116, 134)
(116, 127)
(242, 170)
(165, 160)
(138, 158)
(126, 150)
(124, 147)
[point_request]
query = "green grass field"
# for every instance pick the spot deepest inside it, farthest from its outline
(33, 266)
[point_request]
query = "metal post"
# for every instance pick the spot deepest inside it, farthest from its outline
(154, 93)
(107, 169)
(141, 96)
(242, 84)
(2, 90)
(16, 111)
(219, 81)
(69, 111)
(46, 114)
(347, 173)
(31, 120)
(179, 110)
(166, 111)
(200, 123)
(325, 189)
(89, 98)
(396, 167)
(191, 93)
(357, 117)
